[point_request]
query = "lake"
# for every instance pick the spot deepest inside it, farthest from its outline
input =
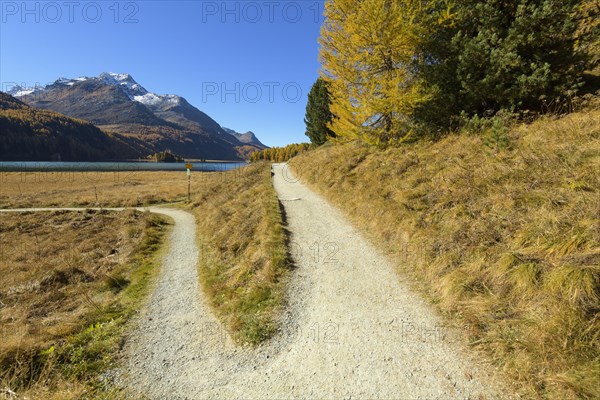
(24, 166)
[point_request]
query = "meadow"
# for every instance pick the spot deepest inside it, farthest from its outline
(70, 282)
(91, 188)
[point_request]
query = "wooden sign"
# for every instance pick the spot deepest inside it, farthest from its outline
(188, 167)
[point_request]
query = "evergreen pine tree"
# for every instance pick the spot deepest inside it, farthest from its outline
(318, 113)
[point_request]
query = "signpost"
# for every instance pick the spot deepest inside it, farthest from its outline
(188, 167)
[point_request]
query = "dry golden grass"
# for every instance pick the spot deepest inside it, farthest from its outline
(244, 258)
(64, 189)
(69, 282)
(506, 243)
(243, 261)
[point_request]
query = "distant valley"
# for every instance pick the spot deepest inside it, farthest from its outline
(132, 122)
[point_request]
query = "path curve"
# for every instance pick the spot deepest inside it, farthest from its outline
(351, 329)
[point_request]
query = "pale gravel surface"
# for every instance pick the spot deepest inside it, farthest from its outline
(352, 328)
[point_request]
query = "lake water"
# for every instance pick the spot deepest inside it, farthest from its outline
(23, 166)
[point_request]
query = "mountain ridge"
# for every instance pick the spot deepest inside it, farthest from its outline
(248, 137)
(118, 104)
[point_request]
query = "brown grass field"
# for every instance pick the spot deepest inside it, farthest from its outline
(69, 283)
(83, 189)
(63, 309)
(505, 240)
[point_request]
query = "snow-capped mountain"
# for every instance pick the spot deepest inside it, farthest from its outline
(20, 91)
(116, 102)
(137, 92)
(153, 100)
(125, 82)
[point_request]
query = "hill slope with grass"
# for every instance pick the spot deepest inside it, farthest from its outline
(500, 228)
(30, 134)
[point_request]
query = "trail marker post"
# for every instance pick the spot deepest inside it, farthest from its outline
(188, 167)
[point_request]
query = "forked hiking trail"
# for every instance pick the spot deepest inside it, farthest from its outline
(352, 328)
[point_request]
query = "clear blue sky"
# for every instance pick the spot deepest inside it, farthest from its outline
(248, 64)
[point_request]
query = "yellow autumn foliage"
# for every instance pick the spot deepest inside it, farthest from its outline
(369, 52)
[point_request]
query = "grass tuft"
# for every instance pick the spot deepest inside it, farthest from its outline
(244, 261)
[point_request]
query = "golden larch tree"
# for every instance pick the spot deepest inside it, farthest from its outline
(369, 53)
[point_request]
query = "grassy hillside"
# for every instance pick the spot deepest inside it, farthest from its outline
(29, 134)
(69, 283)
(243, 260)
(502, 230)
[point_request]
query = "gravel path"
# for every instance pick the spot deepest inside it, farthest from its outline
(352, 329)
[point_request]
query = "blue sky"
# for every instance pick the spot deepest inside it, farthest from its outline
(248, 64)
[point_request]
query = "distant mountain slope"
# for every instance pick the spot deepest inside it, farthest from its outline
(29, 134)
(8, 102)
(117, 103)
(248, 138)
